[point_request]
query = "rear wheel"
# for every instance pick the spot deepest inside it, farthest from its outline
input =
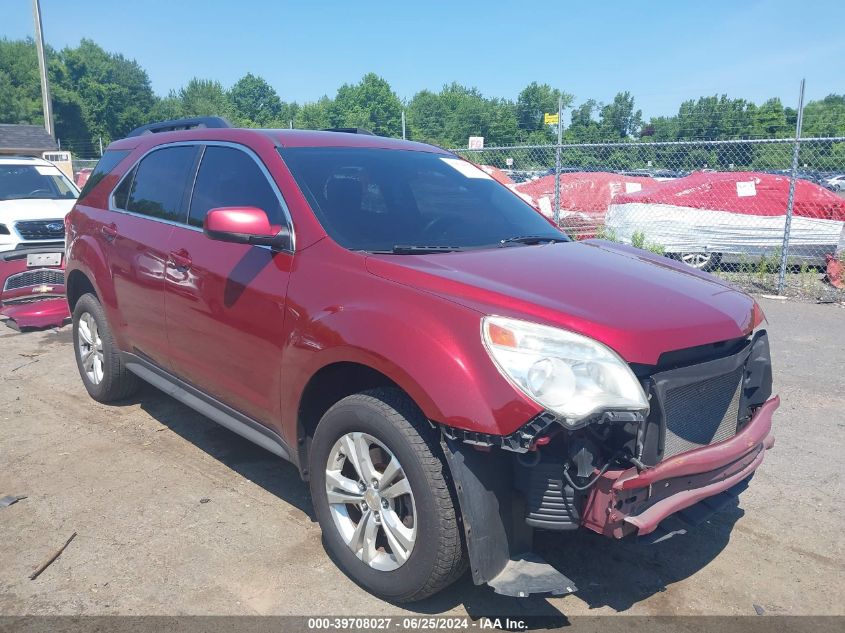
(97, 358)
(382, 498)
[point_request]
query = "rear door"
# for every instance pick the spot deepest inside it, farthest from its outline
(144, 208)
(225, 302)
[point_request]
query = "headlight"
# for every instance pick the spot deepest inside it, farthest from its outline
(568, 374)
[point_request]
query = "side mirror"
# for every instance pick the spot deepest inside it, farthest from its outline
(246, 225)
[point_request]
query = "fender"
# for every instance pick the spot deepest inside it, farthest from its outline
(457, 385)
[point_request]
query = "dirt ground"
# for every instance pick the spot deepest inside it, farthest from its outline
(176, 515)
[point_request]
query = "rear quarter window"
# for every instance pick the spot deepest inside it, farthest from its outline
(109, 160)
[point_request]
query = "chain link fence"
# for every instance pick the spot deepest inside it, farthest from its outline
(766, 214)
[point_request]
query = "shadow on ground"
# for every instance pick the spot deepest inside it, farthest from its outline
(261, 467)
(608, 573)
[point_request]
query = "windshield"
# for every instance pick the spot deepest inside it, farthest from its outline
(18, 182)
(378, 199)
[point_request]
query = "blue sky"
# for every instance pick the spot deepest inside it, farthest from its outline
(663, 52)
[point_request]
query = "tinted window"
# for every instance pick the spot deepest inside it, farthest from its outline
(229, 177)
(375, 199)
(28, 182)
(121, 194)
(107, 162)
(160, 183)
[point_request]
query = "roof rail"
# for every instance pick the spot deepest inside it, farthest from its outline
(349, 130)
(180, 124)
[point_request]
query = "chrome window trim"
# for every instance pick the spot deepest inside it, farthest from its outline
(203, 144)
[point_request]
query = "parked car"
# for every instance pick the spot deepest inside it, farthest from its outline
(584, 198)
(82, 176)
(447, 370)
(35, 196)
(836, 183)
(708, 219)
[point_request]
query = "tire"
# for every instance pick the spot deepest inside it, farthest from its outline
(391, 425)
(106, 379)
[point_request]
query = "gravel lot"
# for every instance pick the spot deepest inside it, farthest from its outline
(130, 479)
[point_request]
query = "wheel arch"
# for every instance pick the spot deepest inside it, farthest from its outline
(328, 385)
(76, 285)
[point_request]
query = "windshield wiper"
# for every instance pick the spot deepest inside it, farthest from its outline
(409, 249)
(532, 239)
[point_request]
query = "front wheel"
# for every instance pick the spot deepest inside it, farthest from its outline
(382, 497)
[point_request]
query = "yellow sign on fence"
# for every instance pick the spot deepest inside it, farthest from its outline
(551, 119)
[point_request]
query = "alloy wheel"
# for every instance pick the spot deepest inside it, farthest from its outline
(90, 348)
(697, 260)
(371, 501)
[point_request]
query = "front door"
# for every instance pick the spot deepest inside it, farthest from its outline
(225, 302)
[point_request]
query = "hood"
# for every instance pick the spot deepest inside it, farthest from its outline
(638, 304)
(14, 210)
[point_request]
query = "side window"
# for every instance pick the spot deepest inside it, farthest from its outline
(160, 183)
(121, 194)
(229, 177)
(107, 162)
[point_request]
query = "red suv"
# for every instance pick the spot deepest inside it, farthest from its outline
(446, 368)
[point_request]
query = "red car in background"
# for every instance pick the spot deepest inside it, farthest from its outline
(82, 176)
(449, 372)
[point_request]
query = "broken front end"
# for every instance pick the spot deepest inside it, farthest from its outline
(620, 473)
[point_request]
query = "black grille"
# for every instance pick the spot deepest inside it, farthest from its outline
(41, 229)
(29, 278)
(549, 503)
(701, 413)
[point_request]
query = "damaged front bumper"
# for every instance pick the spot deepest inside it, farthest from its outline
(708, 430)
(626, 502)
(622, 503)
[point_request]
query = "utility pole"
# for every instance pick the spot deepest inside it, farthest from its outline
(42, 66)
(403, 125)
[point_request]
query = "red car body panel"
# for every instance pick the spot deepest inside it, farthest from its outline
(233, 295)
(632, 302)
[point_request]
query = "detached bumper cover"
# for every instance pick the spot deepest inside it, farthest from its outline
(625, 502)
(37, 314)
(28, 296)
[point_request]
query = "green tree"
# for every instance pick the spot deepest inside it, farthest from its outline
(534, 101)
(619, 120)
(769, 120)
(21, 87)
(825, 117)
(314, 116)
(255, 101)
(369, 104)
(205, 97)
(114, 92)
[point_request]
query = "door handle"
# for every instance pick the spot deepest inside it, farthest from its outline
(180, 258)
(109, 231)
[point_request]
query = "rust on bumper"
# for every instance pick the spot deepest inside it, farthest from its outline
(625, 502)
